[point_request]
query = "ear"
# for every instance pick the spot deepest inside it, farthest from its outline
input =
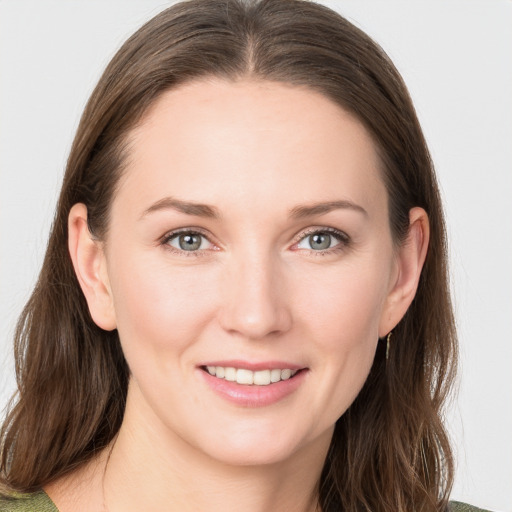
(89, 262)
(409, 261)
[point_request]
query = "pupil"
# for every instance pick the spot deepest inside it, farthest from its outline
(190, 242)
(320, 241)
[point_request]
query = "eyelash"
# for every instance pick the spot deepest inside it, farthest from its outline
(186, 231)
(340, 236)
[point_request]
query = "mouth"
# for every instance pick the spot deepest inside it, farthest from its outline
(252, 384)
(247, 377)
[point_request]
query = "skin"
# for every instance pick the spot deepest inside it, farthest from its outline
(256, 290)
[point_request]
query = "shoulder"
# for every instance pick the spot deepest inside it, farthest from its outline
(456, 506)
(40, 502)
(34, 502)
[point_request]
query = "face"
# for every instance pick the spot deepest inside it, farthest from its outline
(250, 263)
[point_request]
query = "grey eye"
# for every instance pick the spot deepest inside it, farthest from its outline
(320, 241)
(188, 241)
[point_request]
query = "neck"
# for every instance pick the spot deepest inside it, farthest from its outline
(150, 468)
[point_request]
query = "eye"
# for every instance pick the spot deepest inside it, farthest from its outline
(189, 241)
(323, 240)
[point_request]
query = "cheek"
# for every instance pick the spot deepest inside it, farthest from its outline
(345, 304)
(342, 318)
(159, 308)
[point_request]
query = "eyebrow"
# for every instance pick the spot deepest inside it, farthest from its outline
(187, 207)
(300, 212)
(204, 210)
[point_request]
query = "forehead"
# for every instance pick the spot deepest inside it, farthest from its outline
(250, 141)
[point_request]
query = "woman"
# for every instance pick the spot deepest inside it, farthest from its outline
(244, 301)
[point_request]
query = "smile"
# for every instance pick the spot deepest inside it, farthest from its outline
(249, 377)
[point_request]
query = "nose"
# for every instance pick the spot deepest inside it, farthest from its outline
(255, 305)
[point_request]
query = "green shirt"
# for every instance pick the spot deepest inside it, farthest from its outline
(456, 506)
(40, 502)
(36, 502)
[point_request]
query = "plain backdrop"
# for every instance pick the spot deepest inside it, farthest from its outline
(455, 56)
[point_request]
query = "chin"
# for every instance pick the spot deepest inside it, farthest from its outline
(255, 445)
(262, 454)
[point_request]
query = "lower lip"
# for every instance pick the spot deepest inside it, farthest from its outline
(253, 396)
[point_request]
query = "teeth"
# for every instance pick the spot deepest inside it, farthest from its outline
(230, 374)
(275, 375)
(244, 377)
(286, 374)
(262, 378)
(248, 377)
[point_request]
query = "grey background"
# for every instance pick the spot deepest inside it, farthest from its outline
(456, 57)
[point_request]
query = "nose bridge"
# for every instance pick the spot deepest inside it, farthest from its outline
(255, 305)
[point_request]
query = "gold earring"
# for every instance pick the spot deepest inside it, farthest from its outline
(388, 338)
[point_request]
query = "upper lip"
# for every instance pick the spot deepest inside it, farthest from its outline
(254, 366)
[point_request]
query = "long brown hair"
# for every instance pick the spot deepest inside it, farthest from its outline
(390, 451)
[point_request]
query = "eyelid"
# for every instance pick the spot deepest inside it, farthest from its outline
(320, 229)
(194, 230)
(343, 238)
(164, 241)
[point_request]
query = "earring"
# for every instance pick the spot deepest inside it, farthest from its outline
(388, 338)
